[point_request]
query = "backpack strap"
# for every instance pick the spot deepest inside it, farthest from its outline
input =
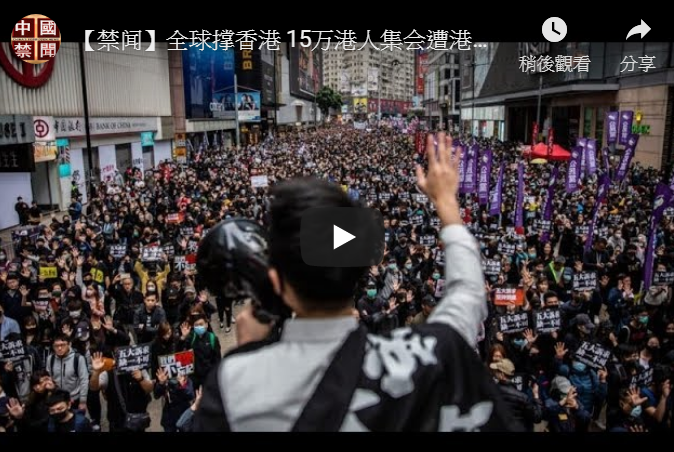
(329, 405)
(211, 339)
(52, 359)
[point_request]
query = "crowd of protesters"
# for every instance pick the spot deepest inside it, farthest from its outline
(580, 334)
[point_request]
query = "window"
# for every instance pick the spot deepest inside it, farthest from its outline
(599, 127)
(587, 121)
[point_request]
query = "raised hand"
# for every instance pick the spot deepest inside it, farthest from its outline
(560, 350)
(185, 329)
(16, 409)
(162, 376)
(530, 336)
(635, 396)
(441, 184)
(97, 362)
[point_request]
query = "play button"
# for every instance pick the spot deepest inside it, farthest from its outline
(340, 237)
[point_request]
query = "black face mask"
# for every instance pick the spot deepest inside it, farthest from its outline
(58, 417)
(88, 282)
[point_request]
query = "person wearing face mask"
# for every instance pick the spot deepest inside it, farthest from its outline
(591, 387)
(62, 419)
(617, 240)
(562, 409)
(636, 331)
(628, 416)
(33, 415)
(205, 345)
(373, 306)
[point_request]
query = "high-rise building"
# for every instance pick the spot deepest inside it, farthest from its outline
(442, 90)
(365, 76)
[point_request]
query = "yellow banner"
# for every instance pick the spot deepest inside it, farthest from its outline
(48, 272)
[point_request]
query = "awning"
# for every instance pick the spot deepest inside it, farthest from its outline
(576, 88)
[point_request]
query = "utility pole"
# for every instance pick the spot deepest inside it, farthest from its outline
(87, 132)
(381, 59)
(236, 111)
(540, 97)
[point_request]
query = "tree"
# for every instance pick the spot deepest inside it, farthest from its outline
(327, 98)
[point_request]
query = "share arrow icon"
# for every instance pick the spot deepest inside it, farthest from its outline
(641, 29)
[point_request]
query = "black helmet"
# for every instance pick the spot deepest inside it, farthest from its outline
(236, 251)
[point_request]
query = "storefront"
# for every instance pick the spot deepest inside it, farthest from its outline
(486, 122)
(651, 106)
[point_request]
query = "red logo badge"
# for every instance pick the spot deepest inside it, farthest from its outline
(35, 39)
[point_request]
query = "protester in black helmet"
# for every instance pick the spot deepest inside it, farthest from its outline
(422, 378)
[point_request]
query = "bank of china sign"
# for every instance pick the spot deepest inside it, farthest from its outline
(74, 127)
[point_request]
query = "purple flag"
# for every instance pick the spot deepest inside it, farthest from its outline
(582, 143)
(627, 157)
(496, 196)
(591, 157)
(485, 177)
(626, 118)
(663, 199)
(519, 205)
(604, 155)
(602, 191)
(671, 182)
(573, 172)
(549, 205)
(612, 127)
(462, 169)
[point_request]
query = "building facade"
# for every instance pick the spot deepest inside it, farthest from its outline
(130, 121)
(370, 75)
(500, 98)
(442, 93)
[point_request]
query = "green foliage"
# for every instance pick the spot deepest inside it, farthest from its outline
(327, 98)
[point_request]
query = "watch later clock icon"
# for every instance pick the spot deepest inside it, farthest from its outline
(554, 29)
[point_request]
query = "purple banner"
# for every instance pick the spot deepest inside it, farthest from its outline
(582, 142)
(549, 204)
(604, 155)
(602, 191)
(462, 168)
(519, 205)
(627, 158)
(573, 172)
(626, 118)
(663, 200)
(485, 177)
(591, 157)
(496, 196)
(612, 127)
(671, 181)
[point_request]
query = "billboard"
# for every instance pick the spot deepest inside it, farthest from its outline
(306, 72)
(248, 104)
(268, 76)
(206, 72)
(360, 104)
(420, 73)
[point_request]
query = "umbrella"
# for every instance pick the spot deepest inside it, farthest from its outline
(539, 161)
(541, 151)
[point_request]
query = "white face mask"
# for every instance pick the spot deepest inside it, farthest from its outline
(75, 314)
